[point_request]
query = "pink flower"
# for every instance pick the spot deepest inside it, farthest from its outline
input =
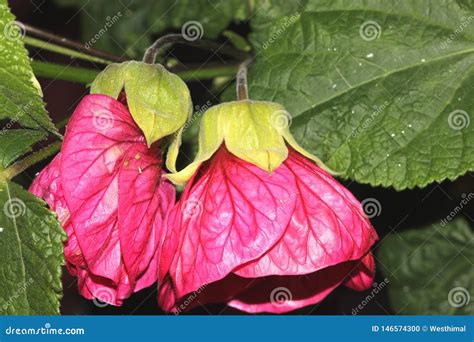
(262, 241)
(107, 188)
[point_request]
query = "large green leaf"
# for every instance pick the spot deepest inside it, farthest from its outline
(16, 142)
(380, 90)
(430, 270)
(31, 254)
(128, 27)
(31, 249)
(20, 95)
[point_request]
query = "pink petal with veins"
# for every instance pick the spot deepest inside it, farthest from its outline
(107, 187)
(328, 226)
(362, 277)
(239, 235)
(231, 215)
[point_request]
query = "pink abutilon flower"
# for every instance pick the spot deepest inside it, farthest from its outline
(260, 225)
(107, 188)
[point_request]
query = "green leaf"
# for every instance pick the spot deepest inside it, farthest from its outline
(128, 27)
(20, 94)
(237, 41)
(430, 270)
(379, 90)
(16, 142)
(31, 254)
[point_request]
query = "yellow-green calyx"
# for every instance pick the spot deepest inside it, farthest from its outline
(158, 100)
(255, 131)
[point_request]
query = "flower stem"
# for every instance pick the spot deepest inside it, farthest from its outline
(86, 76)
(164, 42)
(241, 82)
(30, 160)
(64, 72)
(63, 50)
(64, 42)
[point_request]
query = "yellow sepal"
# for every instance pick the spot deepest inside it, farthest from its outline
(158, 100)
(255, 131)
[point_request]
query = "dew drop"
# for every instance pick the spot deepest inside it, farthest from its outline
(399, 165)
(370, 55)
(388, 154)
(360, 64)
(403, 132)
(409, 125)
(423, 60)
(392, 135)
(334, 86)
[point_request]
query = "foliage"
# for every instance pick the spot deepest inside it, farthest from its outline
(380, 91)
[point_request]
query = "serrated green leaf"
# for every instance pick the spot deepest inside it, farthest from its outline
(140, 21)
(16, 142)
(31, 254)
(20, 95)
(379, 90)
(430, 270)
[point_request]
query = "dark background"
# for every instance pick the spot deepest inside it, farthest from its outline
(400, 210)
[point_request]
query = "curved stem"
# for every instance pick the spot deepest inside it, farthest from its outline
(241, 81)
(63, 50)
(29, 161)
(164, 42)
(50, 37)
(159, 46)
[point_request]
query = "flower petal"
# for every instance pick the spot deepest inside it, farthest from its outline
(47, 186)
(230, 214)
(362, 277)
(280, 294)
(99, 136)
(328, 226)
(144, 199)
